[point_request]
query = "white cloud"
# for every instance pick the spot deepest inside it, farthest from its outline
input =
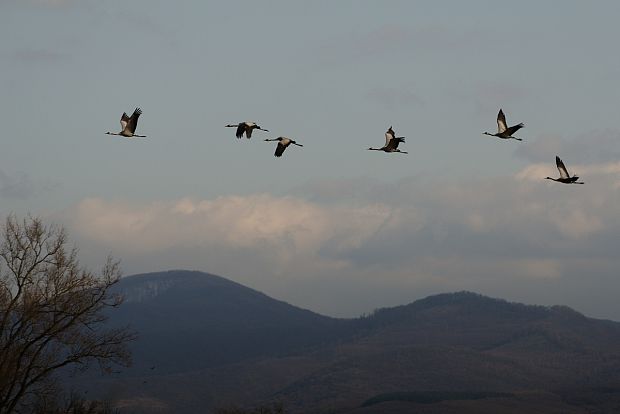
(536, 172)
(357, 246)
(285, 227)
(578, 223)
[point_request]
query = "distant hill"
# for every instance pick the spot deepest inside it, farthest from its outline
(206, 342)
(192, 320)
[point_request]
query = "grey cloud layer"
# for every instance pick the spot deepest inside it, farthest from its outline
(520, 237)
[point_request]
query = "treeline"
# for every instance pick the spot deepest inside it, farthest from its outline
(276, 408)
(430, 397)
(74, 403)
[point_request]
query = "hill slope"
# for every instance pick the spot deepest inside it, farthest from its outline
(192, 320)
(211, 342)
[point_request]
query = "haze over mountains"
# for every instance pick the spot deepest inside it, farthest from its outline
(206, 342)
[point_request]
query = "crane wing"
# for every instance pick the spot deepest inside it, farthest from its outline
(561, 167)
(248, 132)
(501, 122)
(240, 130)
(514, 129)
(124, 121)
(394, 142)
(133, 120)
(279, 149)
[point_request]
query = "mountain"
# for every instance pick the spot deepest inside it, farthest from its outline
(192, 320)
(206, 342)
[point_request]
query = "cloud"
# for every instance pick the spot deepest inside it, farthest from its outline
(608, 172)
(344, 247)
(282, 228)
(535, 172)
(581, 215)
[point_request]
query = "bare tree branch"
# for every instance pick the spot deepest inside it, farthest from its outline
(52, 311)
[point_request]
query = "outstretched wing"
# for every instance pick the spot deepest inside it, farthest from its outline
(514, 129)
(132, 123)
(561, 167)
(501, 122)
(124, 121)
(240, 130)
(394, 142)
(248, 132)
(279, 150)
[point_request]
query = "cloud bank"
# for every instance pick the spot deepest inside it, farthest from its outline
(346, 247)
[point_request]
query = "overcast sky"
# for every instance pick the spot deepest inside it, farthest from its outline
(330, 226)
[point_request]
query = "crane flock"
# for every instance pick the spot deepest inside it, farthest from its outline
(130, 123)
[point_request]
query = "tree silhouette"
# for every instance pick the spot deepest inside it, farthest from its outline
(52, 312)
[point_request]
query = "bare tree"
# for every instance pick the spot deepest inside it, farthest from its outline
(51, 312)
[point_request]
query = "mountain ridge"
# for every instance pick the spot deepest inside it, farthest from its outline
(207, 342)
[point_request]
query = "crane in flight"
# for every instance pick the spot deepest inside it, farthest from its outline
(283, 143)
(245, 127)
(502, 128)
(391, 142)
(129, 124)
(565, 178)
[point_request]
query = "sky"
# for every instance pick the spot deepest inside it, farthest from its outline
(331, 226)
